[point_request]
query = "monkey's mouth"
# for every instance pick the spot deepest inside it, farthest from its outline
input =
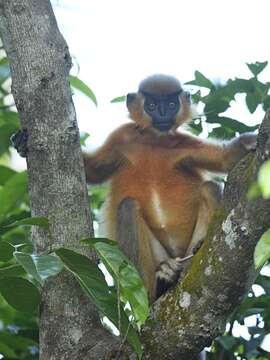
(162, 125)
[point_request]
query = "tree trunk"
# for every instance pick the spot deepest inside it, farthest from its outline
(40, 64)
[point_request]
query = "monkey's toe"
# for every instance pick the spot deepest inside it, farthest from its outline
(166, 272)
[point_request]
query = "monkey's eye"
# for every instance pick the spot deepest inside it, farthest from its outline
(172, 105)
(151, 106)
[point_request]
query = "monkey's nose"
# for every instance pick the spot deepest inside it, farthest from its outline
(162, 109)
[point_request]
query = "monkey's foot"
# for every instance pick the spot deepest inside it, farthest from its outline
(167, 274)
(19, 141)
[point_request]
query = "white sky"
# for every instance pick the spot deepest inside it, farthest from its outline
(118, 43)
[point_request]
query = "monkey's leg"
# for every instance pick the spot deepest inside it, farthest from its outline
(134, 239)
(211, 194)
(158, 269)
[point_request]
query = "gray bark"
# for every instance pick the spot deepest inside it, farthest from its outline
(40, 64)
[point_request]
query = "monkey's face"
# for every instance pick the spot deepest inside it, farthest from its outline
(162, 110)
(160, 104)
(154, 111)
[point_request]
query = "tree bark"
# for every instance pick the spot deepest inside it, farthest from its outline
(40, 64)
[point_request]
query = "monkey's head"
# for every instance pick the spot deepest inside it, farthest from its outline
(160, 103)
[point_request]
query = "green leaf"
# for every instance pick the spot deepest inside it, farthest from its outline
(252, 101)
(254, 191)
(36, 220)
(93, 241)
(39, 266)
(222, 133)
(266, 102)
(78, 84)
(97, 195)
(124, 273)
(12, 270)
(18, 343)
(196, 98)
(83, 137)
(195, 128)
(6, 251)
(262, 250)
(264, 179)
(228, 342)
(264, 282)
(259, 87)
(93, 282)
(119, 99)
(252, 306)
(201, 80)
(215, 105)
(12, 219)
(231, 124)
(257, 67)
(12, 192)
(241, 86)
(5, 174)
(7, 351)
(20, 293)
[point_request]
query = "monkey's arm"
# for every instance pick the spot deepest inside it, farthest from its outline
(218, 157)
(102, 164)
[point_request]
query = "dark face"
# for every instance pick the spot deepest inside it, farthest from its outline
(162, 110)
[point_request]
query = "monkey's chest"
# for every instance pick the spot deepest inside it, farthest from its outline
(167, 197)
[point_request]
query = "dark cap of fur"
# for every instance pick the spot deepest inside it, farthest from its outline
(160, 84)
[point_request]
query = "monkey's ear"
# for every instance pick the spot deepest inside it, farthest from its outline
(130, 98)
(187, 96)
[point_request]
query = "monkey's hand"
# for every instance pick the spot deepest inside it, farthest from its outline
(237, 148)
(248, 141)
(19, 141)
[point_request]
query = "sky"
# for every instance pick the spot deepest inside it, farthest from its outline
(115, 44)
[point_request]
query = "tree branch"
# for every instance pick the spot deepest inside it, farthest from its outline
(190, 316)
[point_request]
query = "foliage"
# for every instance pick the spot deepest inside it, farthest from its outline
(125, 277)
(23, 273)
(78, 84)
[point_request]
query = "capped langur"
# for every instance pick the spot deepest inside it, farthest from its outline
(157, 180)
(159, 170)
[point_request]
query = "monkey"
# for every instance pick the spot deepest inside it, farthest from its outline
(157, 173)
(160, 171)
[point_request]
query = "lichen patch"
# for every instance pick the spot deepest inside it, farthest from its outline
(184, 301)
